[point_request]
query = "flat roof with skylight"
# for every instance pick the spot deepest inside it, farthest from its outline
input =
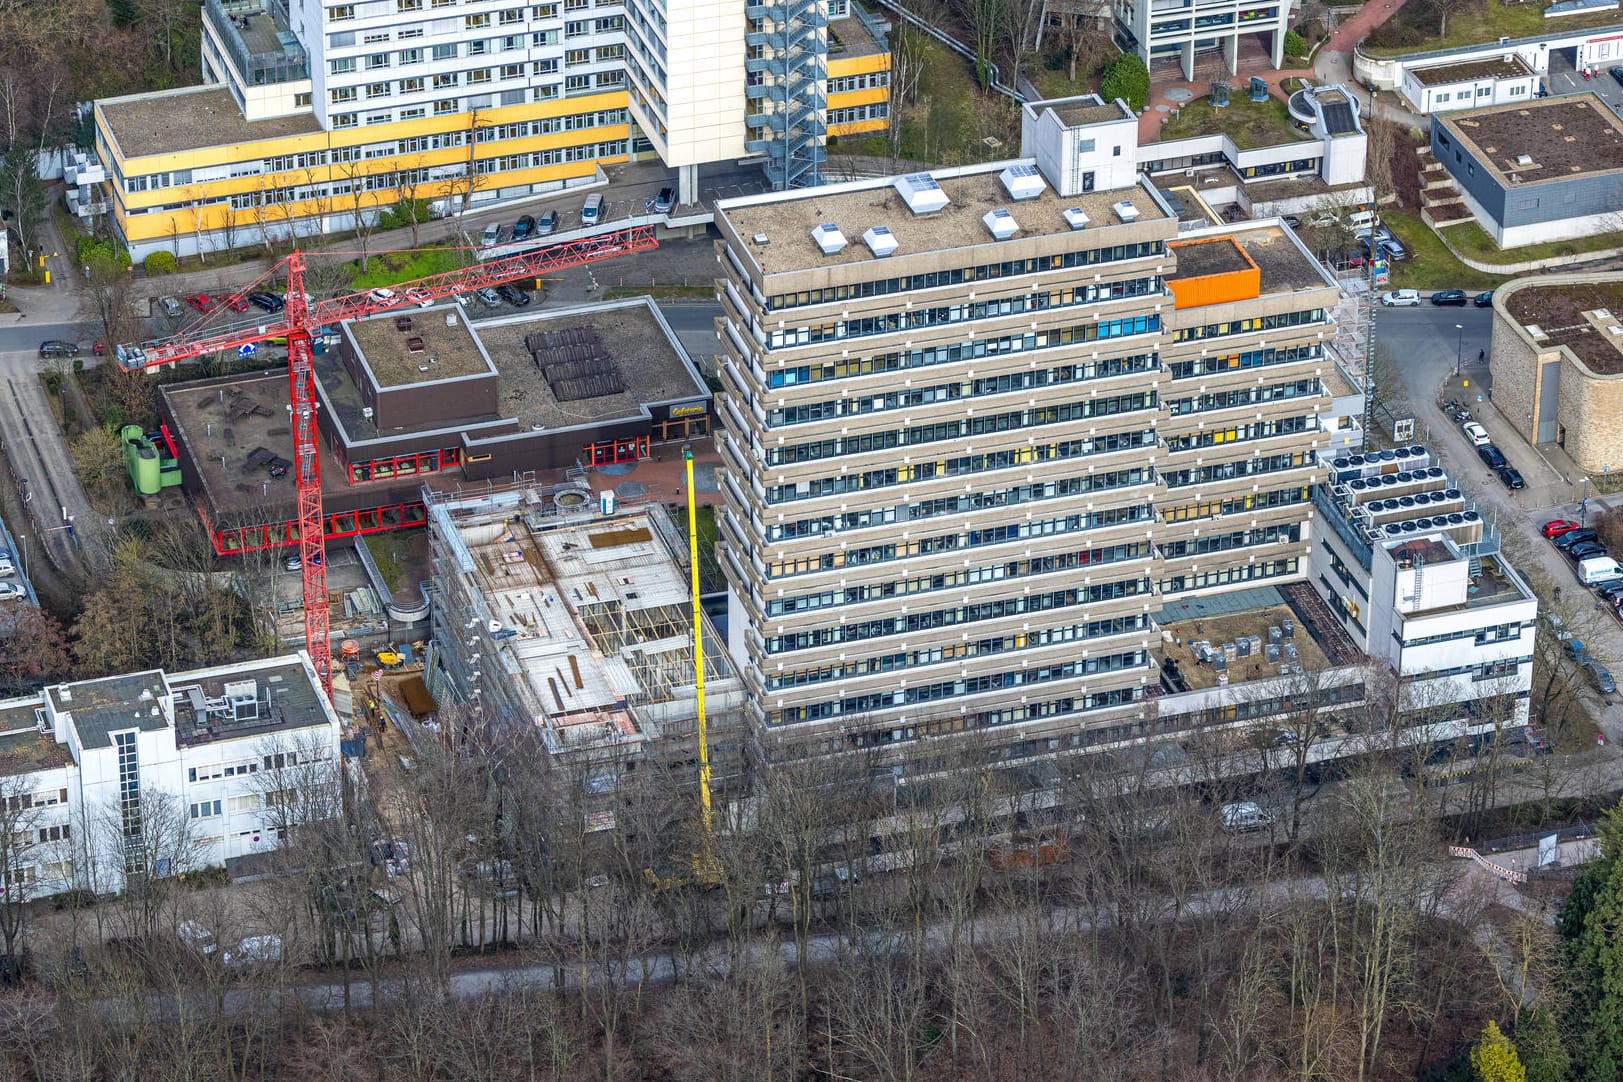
(419, 346)
(1551, 139)
(942, 210)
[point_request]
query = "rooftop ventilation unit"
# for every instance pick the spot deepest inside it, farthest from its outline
(829, 238)
(1125, 210)
(1022, 181)
(1000, 223)
(880, 241)
(1075, 217)
(1524, 160)
(921, 193)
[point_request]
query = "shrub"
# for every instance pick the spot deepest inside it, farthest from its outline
(159, 263)
(1126, 78)
(1295, 45)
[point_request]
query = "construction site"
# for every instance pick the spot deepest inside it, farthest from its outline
(569, 614)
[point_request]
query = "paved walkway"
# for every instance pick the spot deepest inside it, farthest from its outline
(1332, 64)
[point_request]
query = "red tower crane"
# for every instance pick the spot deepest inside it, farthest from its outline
(299, 320)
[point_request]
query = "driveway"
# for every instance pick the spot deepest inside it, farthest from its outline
(37, 455)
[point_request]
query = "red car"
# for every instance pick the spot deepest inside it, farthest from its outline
(202, 302)
(237, 304)
(100, 348)
(1558, 526)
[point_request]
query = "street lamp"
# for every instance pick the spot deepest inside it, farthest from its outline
(1459, 348)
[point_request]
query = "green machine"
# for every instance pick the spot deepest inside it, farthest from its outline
(152, 469)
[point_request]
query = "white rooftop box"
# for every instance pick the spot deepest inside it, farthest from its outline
(829, 238)
(1075, 218)
(1125, 210)
(1001, 224)
(880, 241)
(921, 193)
(1022, 181)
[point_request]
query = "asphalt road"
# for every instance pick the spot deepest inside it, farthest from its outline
(38, 459)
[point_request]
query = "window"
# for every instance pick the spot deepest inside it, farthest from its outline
(342, 94)
(281, 760)
(445, 52)
(574, 83)
(302, 99)
(408, 5)
(377, 90)
(376, 61)
(343, 65)
(479, 75)
(205, 809)
(413, 114)
(411, 56)
(445, 108)
(511, 16)
(576, 57)
(57, 870)
(244, 805)
(476, 22)
(441, 82)
(512, 71)
(578, 29)
(341, 13)
(373, 39)
(411, 86)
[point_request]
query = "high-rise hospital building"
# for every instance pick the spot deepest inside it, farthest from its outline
(315, 111)
(983, 427)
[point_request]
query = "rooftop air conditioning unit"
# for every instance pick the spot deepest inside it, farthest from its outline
(1125, 210)
(1000, 223)
(1022, 181)
(880, 241)
(921, 193)
(829, 238)
(1075, 217)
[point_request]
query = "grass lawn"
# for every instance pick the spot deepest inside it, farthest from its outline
(948, 119)
(391, 552)
(1248, 123)
(1430, 264)
(1474, 241)
(392, 269)
(1414, 30)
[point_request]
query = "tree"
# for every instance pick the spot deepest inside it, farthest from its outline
(1441, 10)
(1126, 78)
(1539, 1043)
(22, 194)
(985, 20)
(1494, 1059)
(33, 649)
(1295, 45)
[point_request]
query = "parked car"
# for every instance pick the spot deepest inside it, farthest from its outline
(1392, 249)
(665, 200)
(1483, 299)
(512, 294)
(1616, 73)
(1511, 477)
(171, 307)
(524, 227)
(1491, 456)
(292, 563)
(56, 347)
(547, 223)
(266, 302)
(382, 295)
(1574, 537)
(12, 591)
(1601, 676)
(1476, 434)
(100, 347)
(202, 302)
(1452, 298)
(1585, 550)
(1557, 526)
(492, 234)
(489, 298)
(1244, 817)
(420, 297)
(237, 303)
(1292, 220)
(1401, 298)
(1609, 592)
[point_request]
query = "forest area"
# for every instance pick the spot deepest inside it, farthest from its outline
(1120, 934)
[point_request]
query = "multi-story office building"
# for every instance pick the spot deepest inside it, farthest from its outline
(161, 772)
(979, 430)
(1163, 29)
(1413, 572)
(322, 110)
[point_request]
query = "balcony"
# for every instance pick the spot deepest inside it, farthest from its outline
(258, 40)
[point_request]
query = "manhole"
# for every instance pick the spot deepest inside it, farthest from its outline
(1179, 93)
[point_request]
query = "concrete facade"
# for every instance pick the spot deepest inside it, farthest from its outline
(1550, 393)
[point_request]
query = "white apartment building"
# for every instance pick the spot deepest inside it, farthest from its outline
(1160, 29)
(1412, 571)
(161, 772)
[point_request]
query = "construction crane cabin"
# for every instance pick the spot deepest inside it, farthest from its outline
(299, 321)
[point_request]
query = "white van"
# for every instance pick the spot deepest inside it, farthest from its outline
(1245, 817)
(592, 210)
